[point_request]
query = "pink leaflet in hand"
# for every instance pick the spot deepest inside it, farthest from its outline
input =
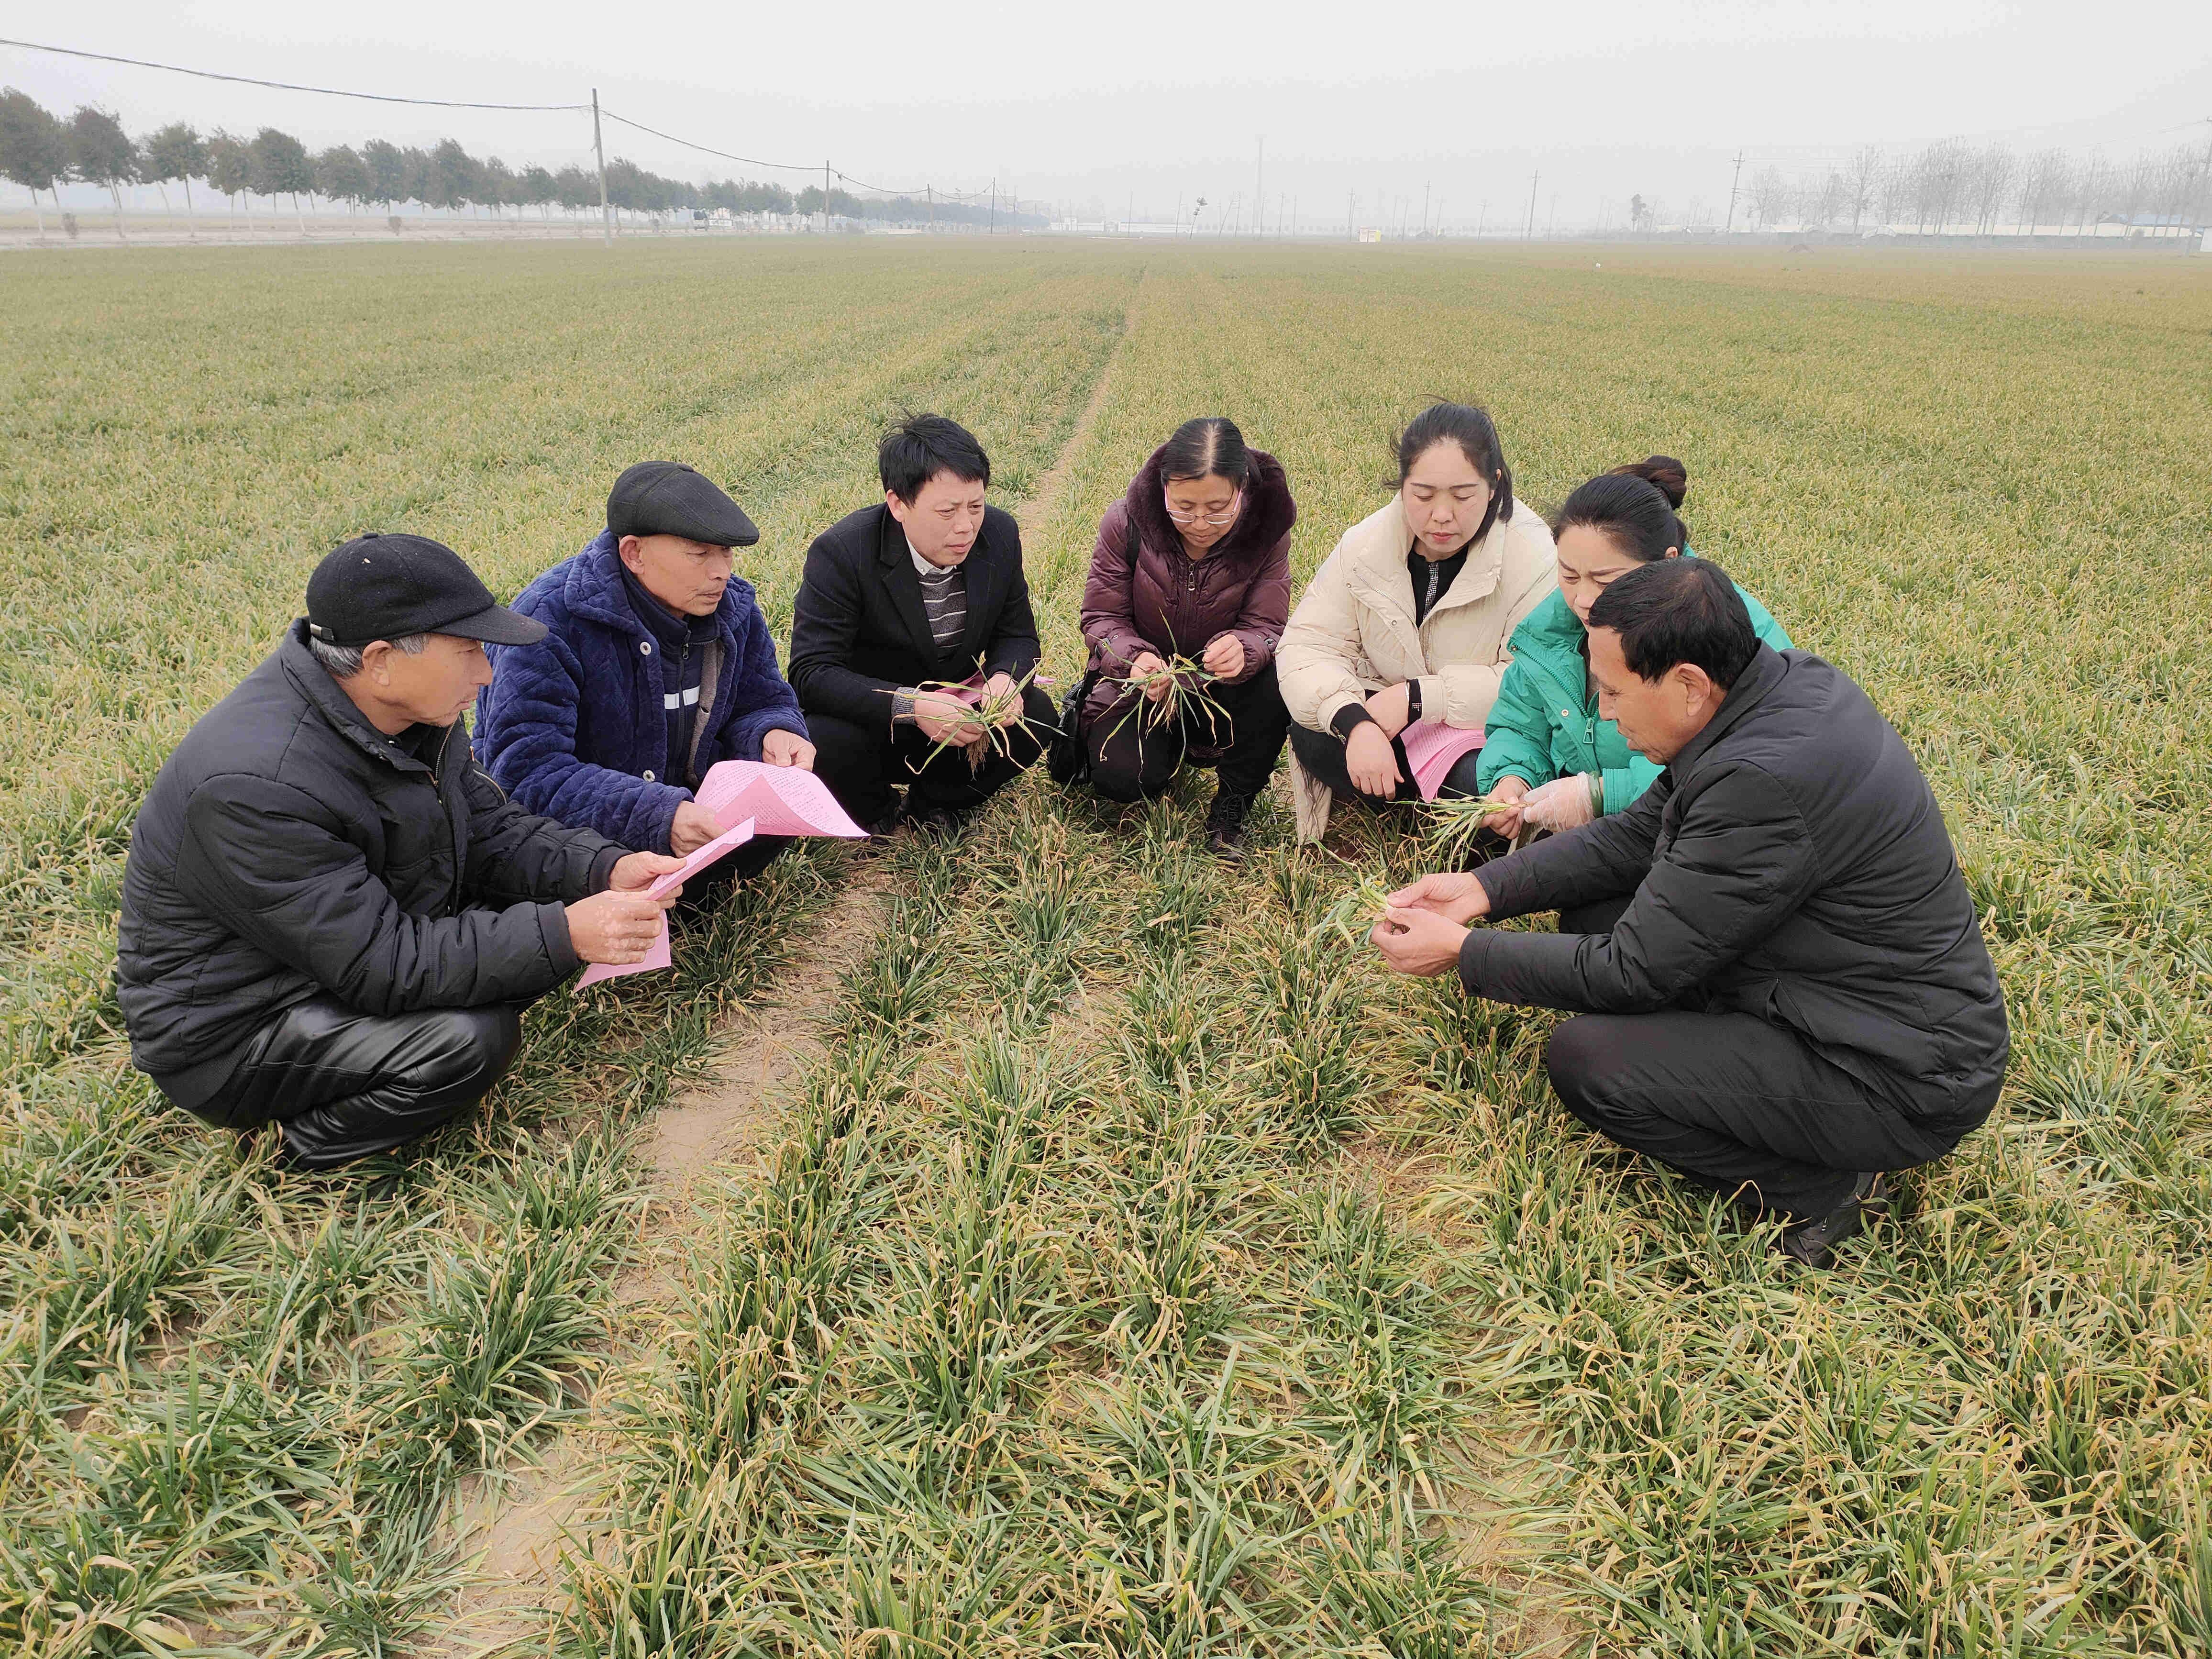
(657, 955)
(780, 801)
(1432, 749)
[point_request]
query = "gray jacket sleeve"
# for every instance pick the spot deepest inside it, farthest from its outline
(1742, 859)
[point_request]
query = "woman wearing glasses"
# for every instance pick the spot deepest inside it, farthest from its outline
(1407, 621)
(1188, 588)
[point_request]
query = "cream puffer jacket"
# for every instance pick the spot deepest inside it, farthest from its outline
(1353, 633)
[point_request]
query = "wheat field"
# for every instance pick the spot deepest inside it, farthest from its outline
(1101, 1258)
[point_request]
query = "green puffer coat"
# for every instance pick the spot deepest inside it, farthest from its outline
(1545, 724)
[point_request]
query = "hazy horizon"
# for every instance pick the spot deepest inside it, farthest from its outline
(1600, 99)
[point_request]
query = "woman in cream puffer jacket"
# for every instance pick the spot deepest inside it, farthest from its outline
(1408, 618)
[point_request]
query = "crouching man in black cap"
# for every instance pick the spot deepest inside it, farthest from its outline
(656, 665)
(331, 915)
(926, 586)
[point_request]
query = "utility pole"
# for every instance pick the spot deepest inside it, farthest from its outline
(931, 189)
(1528, 231)
(599, 150)
(994, 228)
(1425, 207)
(825, 198)
(1730, 225)
(1351, 215)
(1259, 192)
(1481, 218)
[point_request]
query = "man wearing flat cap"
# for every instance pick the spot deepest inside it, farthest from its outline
(656, 665)
(331, 917)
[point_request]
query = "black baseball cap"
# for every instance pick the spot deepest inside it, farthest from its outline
(667, 498)
(386, 587)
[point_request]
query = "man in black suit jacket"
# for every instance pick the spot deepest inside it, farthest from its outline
(927, 588)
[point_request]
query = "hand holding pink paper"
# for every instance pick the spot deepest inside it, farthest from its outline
(780, 801)
(657, 955)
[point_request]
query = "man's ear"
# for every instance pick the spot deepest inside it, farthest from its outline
(627, 549)
(376, 661)
(899, 508)
(1699, 690)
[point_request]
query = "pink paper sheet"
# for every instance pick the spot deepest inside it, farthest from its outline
(657, 955)
(780, 801)
(1433, 749)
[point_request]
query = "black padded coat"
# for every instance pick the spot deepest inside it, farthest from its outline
(288, 847)
(1791, 863)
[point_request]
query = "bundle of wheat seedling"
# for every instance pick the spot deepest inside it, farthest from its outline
(989, 712)
(1356, 912)
(1186, 682)
(1455, 820)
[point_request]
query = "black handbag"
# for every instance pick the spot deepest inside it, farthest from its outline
(1066, 755)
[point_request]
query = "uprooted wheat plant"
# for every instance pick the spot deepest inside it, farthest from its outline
(1135, 1269)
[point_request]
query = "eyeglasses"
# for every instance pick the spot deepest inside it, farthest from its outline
(1213, 520)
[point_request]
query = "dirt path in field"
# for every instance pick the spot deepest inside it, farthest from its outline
(519, 1521)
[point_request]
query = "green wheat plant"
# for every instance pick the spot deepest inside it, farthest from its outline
(1186, 696)
(1453, 823)
(1000, 714)
(1354, 912)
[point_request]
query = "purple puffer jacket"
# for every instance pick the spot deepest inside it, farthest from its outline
(1145, 593)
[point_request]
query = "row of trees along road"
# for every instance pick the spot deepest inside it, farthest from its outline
(41, 151)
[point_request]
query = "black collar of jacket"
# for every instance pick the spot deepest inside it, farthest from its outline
(314, 682)
(1269, 511)
(1764, 673)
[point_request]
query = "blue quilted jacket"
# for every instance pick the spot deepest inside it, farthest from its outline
(573, 727)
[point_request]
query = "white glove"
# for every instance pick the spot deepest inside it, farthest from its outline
(1559, 805)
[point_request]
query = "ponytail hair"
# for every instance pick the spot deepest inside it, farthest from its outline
(1476, 434)
(1210, 447)
(1634, 507)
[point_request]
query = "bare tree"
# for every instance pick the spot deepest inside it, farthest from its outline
(1770, 196)
(1860, 180)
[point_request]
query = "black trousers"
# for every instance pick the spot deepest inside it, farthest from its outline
(1730, 1101)
(865, 765)
(344, 1084)
(1322, 753)
(1132, 758)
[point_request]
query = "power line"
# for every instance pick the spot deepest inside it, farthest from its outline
(285, 86)
(709, 150)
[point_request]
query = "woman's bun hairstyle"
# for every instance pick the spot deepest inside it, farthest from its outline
(1634, 506)
(1663, 473)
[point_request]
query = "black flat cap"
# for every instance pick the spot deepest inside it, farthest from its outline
(386, 587)
(667, 498)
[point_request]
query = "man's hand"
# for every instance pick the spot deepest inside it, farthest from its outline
(1508, 824)
(616, 927)
(1455, 896)
(1417, 942)
(1371, 762)
(695, 826)
(1152, 671)
(941, 718)
(1559, 805)
(999, 685)
(782, 748)
(636, 872)
(1224, 657)
(1392, 709)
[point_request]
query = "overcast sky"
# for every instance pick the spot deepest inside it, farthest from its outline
(1151, 102)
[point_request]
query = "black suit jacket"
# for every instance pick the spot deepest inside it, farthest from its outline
(1791, 863)
(858, 631)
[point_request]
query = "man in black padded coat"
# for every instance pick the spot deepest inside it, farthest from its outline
(924, 587)
(332, 916)
(1779, 979)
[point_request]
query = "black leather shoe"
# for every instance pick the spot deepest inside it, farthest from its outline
(1224, 826)
(1812, 1243)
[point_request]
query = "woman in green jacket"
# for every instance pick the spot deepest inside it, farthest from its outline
(1545, 745)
